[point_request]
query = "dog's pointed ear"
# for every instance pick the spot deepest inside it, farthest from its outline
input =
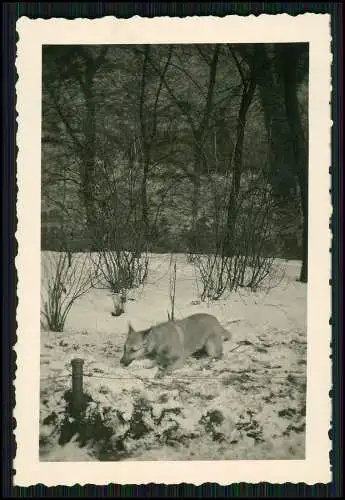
(146, 332)
(130, 328)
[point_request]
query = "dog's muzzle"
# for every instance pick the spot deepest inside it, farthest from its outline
(124, 361)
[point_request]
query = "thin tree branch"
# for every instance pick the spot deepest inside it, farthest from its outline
(238, 64)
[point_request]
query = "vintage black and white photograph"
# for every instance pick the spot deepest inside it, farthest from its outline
(174, 221)
(174, 251)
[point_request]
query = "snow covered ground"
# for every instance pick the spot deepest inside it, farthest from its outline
(249, 405)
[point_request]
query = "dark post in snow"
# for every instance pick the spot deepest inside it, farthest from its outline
(77, 386)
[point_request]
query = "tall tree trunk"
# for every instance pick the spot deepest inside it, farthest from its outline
(288, 144)
(144, 205)
(199, 134)
(299, 142)
(271, 87)
(145, 141)
(247, 97)
(87, 172)
(197, 168)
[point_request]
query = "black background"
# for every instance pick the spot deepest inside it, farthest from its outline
(10, 13)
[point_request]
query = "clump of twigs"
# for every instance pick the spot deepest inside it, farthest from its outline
(66, 279)
(120, 270)
(211, 270)
(243, 243)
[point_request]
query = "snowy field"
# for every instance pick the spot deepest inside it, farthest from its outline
(249, 405)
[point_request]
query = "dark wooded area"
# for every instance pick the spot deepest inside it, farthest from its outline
(177, 148)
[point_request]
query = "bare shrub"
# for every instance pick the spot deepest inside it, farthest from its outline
(253, 261)
(211, 270)
(242, 255)
(66, 279)
(120, 270)
(121, 258)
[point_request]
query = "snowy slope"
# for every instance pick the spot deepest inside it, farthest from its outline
(248, 405)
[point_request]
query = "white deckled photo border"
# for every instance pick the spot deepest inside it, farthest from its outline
(33, 33)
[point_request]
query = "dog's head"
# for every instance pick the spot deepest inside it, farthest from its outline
(135, 345)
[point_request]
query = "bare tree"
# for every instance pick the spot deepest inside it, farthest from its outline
(280, 68)
(248, 89)
(80, 66)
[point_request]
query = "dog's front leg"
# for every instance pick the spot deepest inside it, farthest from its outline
(175, 365)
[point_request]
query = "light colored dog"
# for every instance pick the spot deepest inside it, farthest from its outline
(170, 343)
